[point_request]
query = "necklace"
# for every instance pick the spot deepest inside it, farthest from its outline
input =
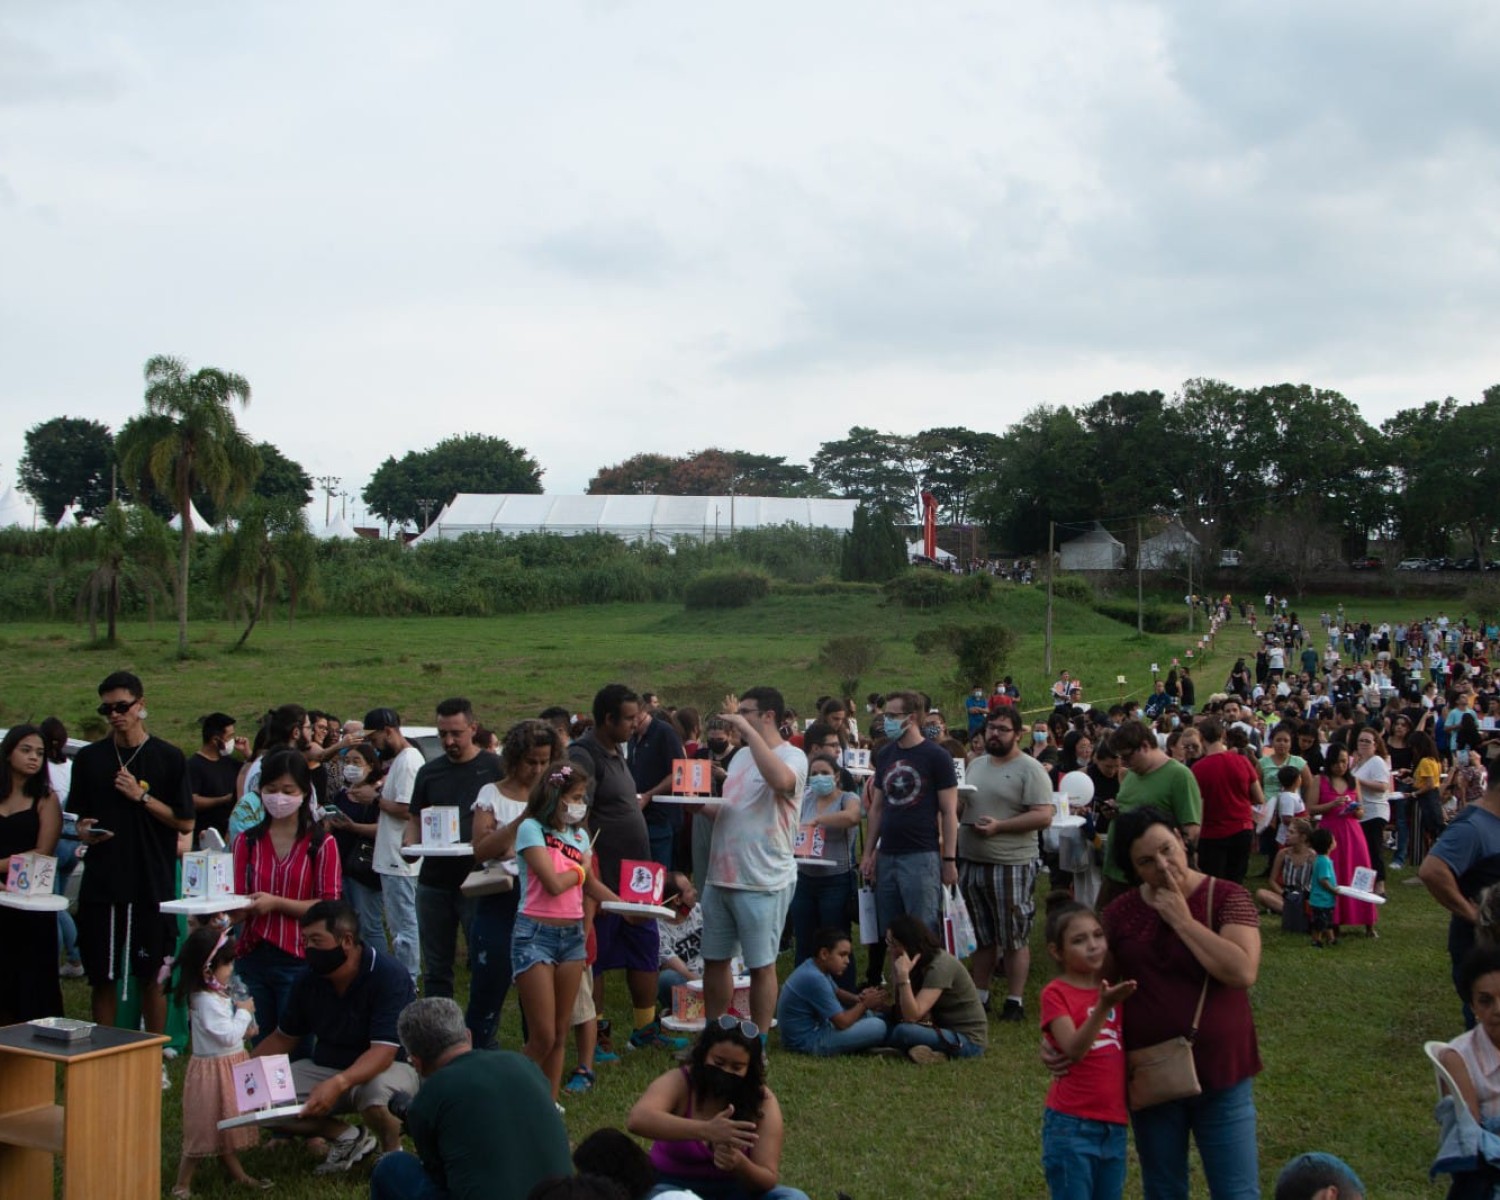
(125, 762)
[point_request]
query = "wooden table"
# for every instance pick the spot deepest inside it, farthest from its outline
(107, 1128)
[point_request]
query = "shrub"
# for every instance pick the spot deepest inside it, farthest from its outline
(1072, 587)
(1155, 618)
(979, 651)
(849, 656)
(734, 588)
(922, 589)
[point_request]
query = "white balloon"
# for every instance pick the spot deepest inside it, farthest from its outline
(1078, 787)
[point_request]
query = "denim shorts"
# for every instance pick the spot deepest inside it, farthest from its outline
(749, 922)
(533, 943)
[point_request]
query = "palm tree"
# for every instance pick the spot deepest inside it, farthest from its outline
(126, 548)
(188, 441)
(269, 545)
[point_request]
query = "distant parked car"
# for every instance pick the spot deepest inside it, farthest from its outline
(1441, 563)
(1412, 564)
(1368, 563)
(1467, 564)
(1229, 558)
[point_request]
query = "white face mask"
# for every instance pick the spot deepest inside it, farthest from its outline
(353, 774)
(574, 814)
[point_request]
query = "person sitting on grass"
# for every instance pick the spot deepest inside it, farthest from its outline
(1317, 1176)
(1321, 895)
(817, 1017)
(716, 1127)
(935, 1005)
(349, 1001)
(1291, 874)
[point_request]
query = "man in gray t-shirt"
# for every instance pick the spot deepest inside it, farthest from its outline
(997, 855)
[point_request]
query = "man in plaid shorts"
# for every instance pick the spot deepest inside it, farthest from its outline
(997, 855)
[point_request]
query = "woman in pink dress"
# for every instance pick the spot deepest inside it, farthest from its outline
(1337, 810)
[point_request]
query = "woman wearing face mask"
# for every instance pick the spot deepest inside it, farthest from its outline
(716, 1127)
(284, 864)
(1043, 748)
(825, 889)
(353, 818)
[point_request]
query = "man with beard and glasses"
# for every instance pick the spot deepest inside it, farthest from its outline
(716, 1127)
(453, 781)
(130, 792)
(997, 856)
(398, 875)
(349, 1001)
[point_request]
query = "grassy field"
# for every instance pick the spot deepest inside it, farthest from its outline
(1340, 1032)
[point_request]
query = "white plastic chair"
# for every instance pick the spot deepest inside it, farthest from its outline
(1446, 1085)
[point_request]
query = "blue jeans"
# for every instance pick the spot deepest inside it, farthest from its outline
(1083, 1159)
(662, 839)
(440, 914)
(910, 885)
(1222, 1123)
(906, 1035)
(489, 949)
(722, 1189)
(822, 901)
(399, 893)
(666, 980)
(865, 1034)
(400, 1176)
(1401, 814)
(268, 974)
(366, 903)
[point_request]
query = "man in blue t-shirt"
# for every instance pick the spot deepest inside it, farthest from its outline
(1462, 863)
(815, 1017)
(912, 844)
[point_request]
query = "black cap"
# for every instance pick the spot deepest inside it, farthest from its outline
(382, 718)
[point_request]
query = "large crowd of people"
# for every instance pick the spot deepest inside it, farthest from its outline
(910, 844)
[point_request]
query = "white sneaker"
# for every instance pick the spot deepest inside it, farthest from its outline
(71, 970)
(166, 1080)
(345, 1152)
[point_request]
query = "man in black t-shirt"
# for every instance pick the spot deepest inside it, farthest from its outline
(212, 774)
(452, 781)
(652, 748)
(130, 792)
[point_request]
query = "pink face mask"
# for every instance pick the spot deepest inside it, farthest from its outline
(279, 804)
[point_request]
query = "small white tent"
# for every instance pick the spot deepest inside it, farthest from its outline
(632, 518)
(1095, 550)
(69, 518)
(915, 548)
(336, 528)
(1173, 545)
(199, 524)
(16, 511)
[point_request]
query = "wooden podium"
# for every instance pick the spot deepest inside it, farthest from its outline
(107, 1128)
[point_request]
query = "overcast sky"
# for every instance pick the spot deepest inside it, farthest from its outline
(602, 228)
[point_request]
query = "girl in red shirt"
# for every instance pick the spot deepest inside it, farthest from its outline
(1083, 1126)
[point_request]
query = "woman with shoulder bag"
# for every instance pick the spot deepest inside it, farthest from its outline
(1192, 944)
(352, 818)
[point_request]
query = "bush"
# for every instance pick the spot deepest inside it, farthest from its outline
(1072, 587)
(1155, 618)
(849, 657)
(979, 651)
(727, 589)
(922, 589)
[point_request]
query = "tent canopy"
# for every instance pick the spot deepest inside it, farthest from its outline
(16, 510)
(199, 524)
(1095, 550)
(915, 548)
(1173, 544)
(632, 518)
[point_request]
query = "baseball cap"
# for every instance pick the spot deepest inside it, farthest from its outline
(382, 718)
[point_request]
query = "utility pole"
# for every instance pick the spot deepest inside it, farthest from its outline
(1047, 653)
(329, 483)
(426, 504)
(1192, 600)
(1140, 603)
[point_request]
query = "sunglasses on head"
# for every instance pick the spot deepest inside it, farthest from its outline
(749, 1030)
(118, 709)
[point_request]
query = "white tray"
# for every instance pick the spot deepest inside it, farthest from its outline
(823, 864)
(456, 850)
(203, 906)
(1068, 822)
(705, 800)
(860, 772)
(48, 903)
(626, 909)
(668, 1021)
(263, 1116)
(1356, 894)
(967, 789)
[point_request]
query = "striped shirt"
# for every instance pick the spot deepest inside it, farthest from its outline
(295, 877)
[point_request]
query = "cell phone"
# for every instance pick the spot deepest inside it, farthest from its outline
(96, 831)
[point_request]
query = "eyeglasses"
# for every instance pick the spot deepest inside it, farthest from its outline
(749, 1030)
(118, 709)
(748, 712)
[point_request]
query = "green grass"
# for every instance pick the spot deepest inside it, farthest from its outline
(1340, 1032)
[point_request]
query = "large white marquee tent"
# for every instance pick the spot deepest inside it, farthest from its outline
(633, 518)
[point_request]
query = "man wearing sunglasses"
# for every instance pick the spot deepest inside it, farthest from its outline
(131, 794)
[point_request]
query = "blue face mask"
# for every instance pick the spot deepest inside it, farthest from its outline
(820, 785)
(893, 726)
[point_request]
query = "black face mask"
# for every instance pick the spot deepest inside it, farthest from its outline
(729, 1088)
(718, 745)
(324, 962)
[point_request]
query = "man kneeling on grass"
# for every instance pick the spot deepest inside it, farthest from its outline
(815, 1017)
(349, 1001)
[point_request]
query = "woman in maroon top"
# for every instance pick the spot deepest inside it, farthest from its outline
(1231, 788)
(1162, 935)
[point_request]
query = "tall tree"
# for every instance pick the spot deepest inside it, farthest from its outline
(881, 469)
(127, 547)
(1045, 471)
(469, 462)
(638, 475)
(188, 441)
(67, 460)
(269, 547)
(956, 464)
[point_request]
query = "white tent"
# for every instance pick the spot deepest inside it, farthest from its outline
(633, 518)
(16, 510)
(69, 518)
(199, 524)
(1174, 544)
(336, 528)
(915, 548)
(1095, 550)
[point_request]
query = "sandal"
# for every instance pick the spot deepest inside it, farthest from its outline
(582, 1080)
(256, 1185)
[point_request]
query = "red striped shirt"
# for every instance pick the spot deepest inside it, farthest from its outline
(295, 877)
